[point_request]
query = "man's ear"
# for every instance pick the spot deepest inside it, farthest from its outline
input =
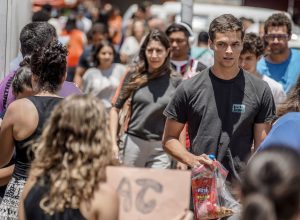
(64, 77)
(210, 44)
(258, 58)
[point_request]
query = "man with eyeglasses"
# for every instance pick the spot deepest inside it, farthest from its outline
(281, 63)
(253, 49)
(226, 108)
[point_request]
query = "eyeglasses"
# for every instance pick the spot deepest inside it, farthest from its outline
(279, 37)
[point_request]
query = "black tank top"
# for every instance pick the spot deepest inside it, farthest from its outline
(33, 210)
(44, 106)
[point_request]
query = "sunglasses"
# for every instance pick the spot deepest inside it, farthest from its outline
(278, 36)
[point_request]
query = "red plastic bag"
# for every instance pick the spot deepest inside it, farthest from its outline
(210, 197)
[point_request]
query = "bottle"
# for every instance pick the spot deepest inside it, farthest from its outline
(212, 157)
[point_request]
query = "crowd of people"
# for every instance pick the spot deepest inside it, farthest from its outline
(91, 92)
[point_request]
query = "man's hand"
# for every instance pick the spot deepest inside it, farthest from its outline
(197, 161)
(115, 151)
(181, 166)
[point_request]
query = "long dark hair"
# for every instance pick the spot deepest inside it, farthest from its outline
(292, 103)
(139, 74)
(96, 50)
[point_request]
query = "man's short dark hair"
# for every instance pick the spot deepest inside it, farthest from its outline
(278, 19)
(36, 35)
(203, 37)
(99, 28)
(253, 44)
(225, 23)
(175, 27)
(40, 16)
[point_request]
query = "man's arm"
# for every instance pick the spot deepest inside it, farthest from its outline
(260, 132)
(172, 146)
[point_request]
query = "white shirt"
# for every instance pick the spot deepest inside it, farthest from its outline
(276, 89)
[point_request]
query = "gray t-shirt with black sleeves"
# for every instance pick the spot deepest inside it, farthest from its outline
(221, 113)
(148, 103)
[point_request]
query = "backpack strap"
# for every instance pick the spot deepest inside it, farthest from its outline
(6, 91)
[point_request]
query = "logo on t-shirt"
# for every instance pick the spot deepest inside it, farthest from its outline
(238, 108)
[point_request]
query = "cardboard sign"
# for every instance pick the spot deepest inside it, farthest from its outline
(150, 194)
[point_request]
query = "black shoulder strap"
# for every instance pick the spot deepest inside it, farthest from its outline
(6, 90)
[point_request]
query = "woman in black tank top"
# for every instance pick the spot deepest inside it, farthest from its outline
(67, 178)
(24, 120)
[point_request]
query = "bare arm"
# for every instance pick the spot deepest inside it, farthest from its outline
(182, 140)
(29, 184)
(6, 136)
(173, 146)
(123, 58)
(78, 76)
(105, 204)
(260, 132)
(113, 124)
(5, 174)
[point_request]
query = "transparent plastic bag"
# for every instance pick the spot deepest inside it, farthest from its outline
(211, 198)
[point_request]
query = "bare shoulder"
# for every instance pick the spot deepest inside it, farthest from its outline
(20, 105)
(24, 117)
(17, 108)
(103, 205)
(106, 193)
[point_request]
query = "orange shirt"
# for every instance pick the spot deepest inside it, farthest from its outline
(75, 46)
(115, 23)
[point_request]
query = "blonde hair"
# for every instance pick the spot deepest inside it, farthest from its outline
(72, 153)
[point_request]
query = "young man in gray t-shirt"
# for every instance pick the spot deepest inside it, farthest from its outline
(226, 109)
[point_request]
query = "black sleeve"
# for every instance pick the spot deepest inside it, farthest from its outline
(84, 59)
(267, 107)
(177, 108)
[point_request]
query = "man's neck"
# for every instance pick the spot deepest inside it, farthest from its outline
(257, 74)
(225, 73)
(278, 58)
(182, 58)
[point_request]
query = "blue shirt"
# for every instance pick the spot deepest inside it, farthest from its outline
(284, 133)
(286, 73)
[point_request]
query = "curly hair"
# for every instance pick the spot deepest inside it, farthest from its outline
(292, 102)
(72, 153)
(278, 19)
(22, 78)
(224, 23)
(49, 65)
(36, 35)
(253, 44)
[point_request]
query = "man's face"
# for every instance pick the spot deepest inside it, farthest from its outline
(179, 46)
(277, 38)
(227, 48)
(248, 62)
(97, 38)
